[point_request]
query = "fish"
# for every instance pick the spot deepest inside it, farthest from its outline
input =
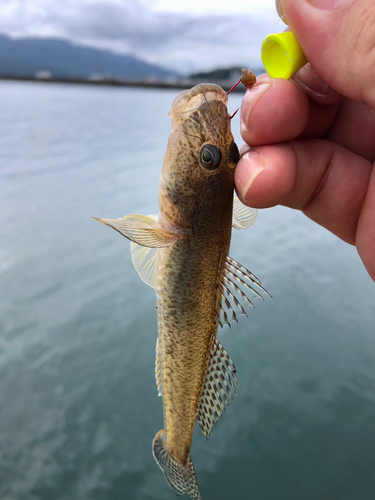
(183, 253)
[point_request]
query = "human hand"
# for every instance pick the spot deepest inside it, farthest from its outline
(314, 135)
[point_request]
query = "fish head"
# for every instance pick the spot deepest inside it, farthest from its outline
(201, 155)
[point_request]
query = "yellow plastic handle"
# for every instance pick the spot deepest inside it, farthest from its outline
(281, 55)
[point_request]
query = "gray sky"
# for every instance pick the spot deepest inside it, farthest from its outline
(188, 35)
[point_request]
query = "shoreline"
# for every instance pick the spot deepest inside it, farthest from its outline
(112, 82)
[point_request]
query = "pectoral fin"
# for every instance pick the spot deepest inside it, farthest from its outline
(144, 262)
(219, 390)
(243, 216)
(142, 230)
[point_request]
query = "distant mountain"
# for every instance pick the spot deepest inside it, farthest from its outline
(61, 59)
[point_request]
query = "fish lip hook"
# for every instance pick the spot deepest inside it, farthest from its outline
(234, 114)
(234, 86)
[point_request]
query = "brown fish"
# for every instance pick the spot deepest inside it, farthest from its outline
(184, 254)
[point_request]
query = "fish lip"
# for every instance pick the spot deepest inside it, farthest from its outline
(190, 100)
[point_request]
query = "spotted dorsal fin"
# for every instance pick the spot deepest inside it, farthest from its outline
(219, 390)
(237, 289)
(243, 216)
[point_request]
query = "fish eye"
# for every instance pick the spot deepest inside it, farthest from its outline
(210, 157)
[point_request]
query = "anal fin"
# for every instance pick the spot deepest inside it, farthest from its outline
(219, 390)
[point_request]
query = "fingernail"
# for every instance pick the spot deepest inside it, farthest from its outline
(251, 166)
(327, 4)
(251, 97)
(311, 82)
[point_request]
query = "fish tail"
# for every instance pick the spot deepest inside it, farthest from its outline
(181, 478)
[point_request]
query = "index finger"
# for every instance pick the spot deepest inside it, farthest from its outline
(277, 110)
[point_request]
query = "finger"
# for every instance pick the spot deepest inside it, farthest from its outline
(327, 182)
(316, 89)
(338, 39)
(265, 175)
(277, 110)
(354, 123)
(354, 128)
(274, 110)
(320, 120)
(365, 237)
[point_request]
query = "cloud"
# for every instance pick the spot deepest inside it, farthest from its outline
(178, 39)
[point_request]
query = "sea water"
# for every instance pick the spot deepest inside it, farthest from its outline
(78, 399)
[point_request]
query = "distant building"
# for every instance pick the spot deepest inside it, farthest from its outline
(150, 79)
(96, 77)
(234, 76)
(171, 79)
(43, 74)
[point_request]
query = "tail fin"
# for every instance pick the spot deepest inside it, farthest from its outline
(181, 478)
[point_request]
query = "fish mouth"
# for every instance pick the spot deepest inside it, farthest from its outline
(190, 100)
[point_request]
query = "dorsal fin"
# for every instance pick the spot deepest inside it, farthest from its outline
(219, 390)
(235, 285)
(158, 367)
(243, 216)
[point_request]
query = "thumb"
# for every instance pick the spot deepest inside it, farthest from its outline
(338, 38)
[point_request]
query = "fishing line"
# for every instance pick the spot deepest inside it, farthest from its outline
(257, 54)
(270, 31)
